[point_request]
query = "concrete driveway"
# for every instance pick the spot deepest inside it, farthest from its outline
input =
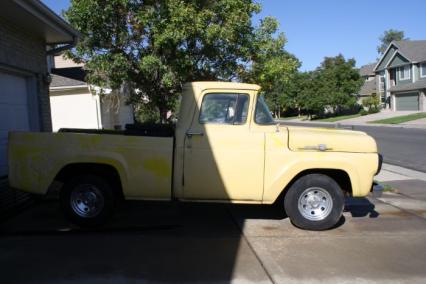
(376, 241)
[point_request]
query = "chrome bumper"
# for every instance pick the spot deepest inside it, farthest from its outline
(379, 167)
(376, 190)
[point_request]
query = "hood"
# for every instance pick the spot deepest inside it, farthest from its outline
(330, 140)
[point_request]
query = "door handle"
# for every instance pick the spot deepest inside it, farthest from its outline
(189, 134)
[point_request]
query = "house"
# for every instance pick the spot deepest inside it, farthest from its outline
(368, 89)
(401, 76)
(76, 104)
(28, 31)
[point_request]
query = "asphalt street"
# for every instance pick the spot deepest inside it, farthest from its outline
(405, 147)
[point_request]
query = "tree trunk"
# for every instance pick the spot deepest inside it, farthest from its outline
(163, 115)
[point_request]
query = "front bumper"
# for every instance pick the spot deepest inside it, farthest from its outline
(376, 190)
(379, 167)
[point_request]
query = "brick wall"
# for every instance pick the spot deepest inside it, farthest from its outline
(26, 52)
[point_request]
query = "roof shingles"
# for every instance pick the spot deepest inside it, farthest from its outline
(415, 50)
(68, 77)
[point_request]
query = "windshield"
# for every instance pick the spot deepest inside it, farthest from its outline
(262, 114)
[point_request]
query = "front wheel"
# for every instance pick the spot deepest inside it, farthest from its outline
(314, 202)
(87, 200)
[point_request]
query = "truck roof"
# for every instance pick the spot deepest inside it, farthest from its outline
(204, 85)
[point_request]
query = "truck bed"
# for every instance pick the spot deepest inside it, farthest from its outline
(143, 162)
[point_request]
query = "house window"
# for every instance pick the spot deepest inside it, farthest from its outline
(382, 83)
(404, 72)
(423, 70)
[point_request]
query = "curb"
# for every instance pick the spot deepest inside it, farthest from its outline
(412, 174)
(349, 125)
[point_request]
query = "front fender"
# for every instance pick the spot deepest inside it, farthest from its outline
(280, 170)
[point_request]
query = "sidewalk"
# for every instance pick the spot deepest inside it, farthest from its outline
(396, 173)
(363, 120)
(408, 189)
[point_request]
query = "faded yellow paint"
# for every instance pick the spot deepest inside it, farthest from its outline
(159, 167)
(36, 159)
(247, 163)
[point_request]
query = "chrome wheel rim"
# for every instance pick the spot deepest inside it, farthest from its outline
(86, 200)
(315, 204)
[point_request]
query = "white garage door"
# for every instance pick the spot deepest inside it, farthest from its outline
(14, 114)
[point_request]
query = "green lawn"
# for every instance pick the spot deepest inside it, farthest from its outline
(401, 119)
(337, 118)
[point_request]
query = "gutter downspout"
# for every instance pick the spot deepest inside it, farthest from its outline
(57, 50)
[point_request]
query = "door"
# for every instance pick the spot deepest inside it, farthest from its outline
(223, 159)
(14, 111)
(408, 101)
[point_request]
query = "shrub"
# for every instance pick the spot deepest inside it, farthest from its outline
(371, 104)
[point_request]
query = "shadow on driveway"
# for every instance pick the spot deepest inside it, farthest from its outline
(145, 241)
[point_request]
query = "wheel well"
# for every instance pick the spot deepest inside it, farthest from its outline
(340, 176)
(107, 172)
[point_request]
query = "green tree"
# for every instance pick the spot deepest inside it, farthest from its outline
(337, 81)
(291, 98)
(387, 37)
(332, 85)
(272, 66)
(311, 99)
(156, 45)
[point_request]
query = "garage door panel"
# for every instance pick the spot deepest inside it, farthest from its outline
(12, 88)
(14, 111)
(14, 118)
(408, 101)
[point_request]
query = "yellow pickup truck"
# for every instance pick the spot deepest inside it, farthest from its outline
(225, 147)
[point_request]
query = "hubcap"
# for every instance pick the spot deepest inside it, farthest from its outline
(86, 200)
(315, 204)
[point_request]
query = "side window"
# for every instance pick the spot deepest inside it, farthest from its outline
(262, 115)
(224, 108)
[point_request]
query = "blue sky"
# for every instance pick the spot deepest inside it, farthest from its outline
(316, 29)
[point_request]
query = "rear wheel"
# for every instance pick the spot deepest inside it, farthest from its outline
(314, 202)
(87, 200)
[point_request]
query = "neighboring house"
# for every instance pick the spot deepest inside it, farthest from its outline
(368, 89)
(401, 75)
(27, 31)
(76, 104)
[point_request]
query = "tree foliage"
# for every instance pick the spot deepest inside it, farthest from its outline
(387, 37)
(272, 66)
(157, 45)
(331, 86)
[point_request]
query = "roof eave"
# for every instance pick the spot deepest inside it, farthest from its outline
(383, 56)
(48, 17)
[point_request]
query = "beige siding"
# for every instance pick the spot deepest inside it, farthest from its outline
(61, 62)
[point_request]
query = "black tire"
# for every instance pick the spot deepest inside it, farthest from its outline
(314, 202)
(87, 200)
